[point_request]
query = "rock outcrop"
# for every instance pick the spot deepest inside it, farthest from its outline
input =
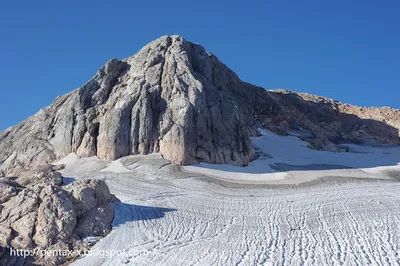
(175, 98)
(325, 123)
(38, 213)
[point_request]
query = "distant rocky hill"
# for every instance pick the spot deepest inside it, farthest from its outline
(325, 122)
(175, 98)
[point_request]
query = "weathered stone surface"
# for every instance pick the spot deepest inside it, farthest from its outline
(56, 219)
(44, 175)
(172, 97)
(325, 122)
(175, 98)
(87, 194)
(6, 191)
(97, 221)
(5, 235)
(40, 213)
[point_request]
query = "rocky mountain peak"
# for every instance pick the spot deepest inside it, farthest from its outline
(174, 98)
(171, 97)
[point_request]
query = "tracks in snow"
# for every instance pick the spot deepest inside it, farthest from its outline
(187, 221)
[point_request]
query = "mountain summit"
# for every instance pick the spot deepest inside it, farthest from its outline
(175, 98)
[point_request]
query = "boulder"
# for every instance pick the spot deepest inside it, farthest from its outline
(96, 222)
(37, 212)
(88, 193)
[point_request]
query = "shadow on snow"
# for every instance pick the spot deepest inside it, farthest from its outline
(125, 212)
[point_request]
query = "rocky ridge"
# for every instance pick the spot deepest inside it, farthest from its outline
(327, 123)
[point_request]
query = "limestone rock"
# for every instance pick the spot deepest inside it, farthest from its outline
(37, 212)
(97, 221)
(172, 97)
(6, 191)
(328, 122)
(44, 175)
(175, 98)
(56, 219)
(5, 236)
(88, 194)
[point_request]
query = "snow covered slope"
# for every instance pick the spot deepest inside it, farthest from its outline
(225, 215)
(288, 160)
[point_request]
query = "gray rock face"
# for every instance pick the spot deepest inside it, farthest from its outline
(175, 98)
(6, 191)
(42, 214)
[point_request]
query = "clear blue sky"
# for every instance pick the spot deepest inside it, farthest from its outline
(347, 50)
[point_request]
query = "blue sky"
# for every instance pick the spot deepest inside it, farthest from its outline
(346, 50)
